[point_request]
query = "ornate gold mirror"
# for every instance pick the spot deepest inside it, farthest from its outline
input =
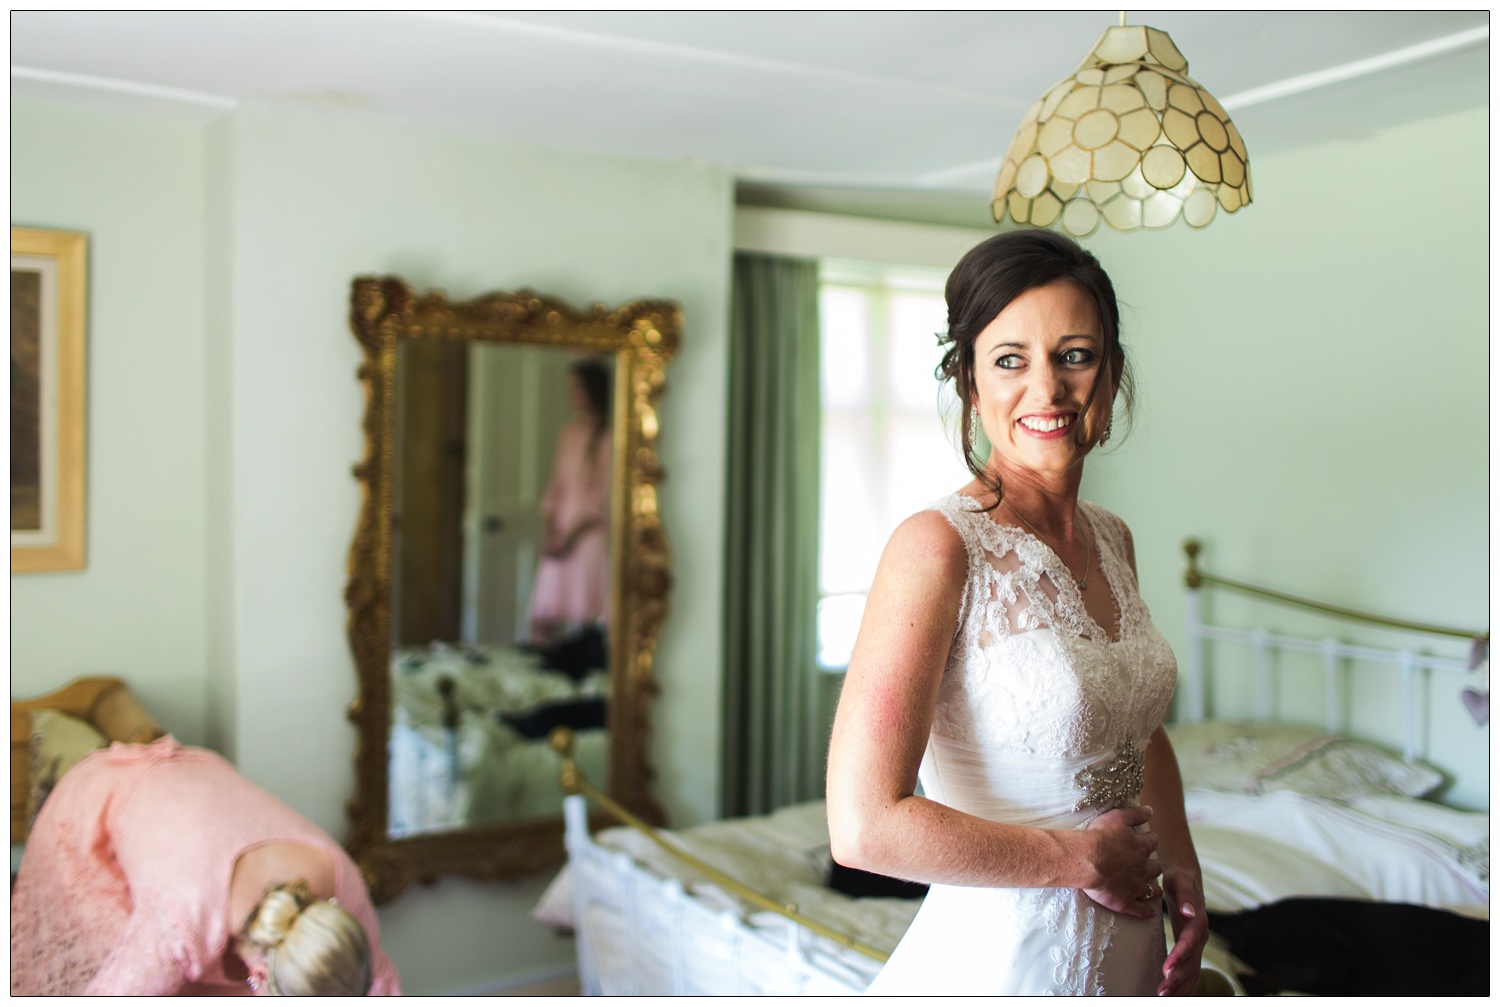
(508, 573)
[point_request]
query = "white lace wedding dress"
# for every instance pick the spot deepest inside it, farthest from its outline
(1042, 720)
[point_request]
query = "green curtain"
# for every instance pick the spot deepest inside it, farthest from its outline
(773, 745)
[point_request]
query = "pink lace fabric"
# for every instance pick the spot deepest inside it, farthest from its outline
(124, 885)
(573, 590)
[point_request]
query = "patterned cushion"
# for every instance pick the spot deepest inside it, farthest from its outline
(58, 741)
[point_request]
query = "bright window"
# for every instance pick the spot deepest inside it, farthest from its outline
(889, 432)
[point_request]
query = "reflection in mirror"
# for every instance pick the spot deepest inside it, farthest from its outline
(508, 573)
(500, 542)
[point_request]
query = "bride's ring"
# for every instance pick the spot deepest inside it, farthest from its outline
(1150, 894)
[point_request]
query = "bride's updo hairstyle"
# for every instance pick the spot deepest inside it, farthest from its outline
(311, 947)
(986, 280)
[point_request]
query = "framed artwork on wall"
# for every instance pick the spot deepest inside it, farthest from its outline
(48, 307)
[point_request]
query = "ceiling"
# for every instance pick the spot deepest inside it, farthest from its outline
(895, 114)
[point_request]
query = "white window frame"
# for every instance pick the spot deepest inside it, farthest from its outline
(880, 281)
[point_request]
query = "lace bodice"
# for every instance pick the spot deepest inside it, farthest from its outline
(1030, 672)
(1042, 720)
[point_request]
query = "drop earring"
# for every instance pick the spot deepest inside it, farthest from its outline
(1108, 429)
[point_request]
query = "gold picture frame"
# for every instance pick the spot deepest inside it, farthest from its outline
(48, 436)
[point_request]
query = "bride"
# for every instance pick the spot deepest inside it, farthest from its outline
(1007, 660)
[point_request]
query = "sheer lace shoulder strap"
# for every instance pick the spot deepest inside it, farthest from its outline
(1114, 555)
(960, 513)
(1109, 529)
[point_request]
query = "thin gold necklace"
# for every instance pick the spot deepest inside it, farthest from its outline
(1082, 582)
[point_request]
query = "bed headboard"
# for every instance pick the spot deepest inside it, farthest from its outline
(102, 701)
(1339, 659)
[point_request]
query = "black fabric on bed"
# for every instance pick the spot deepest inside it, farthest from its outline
(1331, 947)
(862, 884)
(538, 721)
(577, 655)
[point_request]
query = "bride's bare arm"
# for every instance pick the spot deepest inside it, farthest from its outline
(876, 823)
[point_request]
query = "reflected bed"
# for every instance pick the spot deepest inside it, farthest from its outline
(468, 741)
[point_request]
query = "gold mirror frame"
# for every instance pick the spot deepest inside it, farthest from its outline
(642, 336)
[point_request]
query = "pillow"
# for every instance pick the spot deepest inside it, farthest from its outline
(58, 741)
(555, 907)
(1264, 758)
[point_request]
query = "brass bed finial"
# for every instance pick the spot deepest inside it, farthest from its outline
(1191, 546)
(568, 776)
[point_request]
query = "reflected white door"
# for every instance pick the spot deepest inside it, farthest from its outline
(518, 404)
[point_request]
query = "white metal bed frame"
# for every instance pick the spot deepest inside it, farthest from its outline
(1334, 651)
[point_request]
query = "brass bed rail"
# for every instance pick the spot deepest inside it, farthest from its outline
(572, 781)
(1195, 578)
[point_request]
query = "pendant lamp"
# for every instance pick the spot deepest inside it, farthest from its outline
(1129, 139)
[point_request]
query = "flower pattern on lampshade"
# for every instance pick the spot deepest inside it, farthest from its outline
(1129, 139)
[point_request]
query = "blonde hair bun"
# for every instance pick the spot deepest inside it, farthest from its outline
(276, 913)
(311, 947)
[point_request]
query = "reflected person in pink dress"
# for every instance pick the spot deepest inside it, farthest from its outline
(572, 579)
(158, 869)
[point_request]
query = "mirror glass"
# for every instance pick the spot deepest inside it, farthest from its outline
(509, 573)
(504, 484)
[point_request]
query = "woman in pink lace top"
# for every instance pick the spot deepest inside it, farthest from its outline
(150, 870)
(572, 579)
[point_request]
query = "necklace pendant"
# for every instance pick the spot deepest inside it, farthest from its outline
(1083, 585)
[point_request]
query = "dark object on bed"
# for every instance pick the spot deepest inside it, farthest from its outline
(862, 884)
(538, 721)
(577, 655)
(1330, 947)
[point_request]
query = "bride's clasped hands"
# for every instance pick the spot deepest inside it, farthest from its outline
(1125, 860)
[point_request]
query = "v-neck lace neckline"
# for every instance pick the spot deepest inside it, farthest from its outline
(1061, 576)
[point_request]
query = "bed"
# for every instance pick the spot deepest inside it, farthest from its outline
(469, 726)
(1291, 820)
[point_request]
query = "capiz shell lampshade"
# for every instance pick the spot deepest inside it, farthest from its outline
(1129, 139)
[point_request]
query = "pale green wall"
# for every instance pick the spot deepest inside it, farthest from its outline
(225, 422)
(136, 188)
(218, 379)
(1313, 378)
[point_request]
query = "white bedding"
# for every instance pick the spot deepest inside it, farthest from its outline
(1256, 850)
(783, 855)
(1253, 850)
